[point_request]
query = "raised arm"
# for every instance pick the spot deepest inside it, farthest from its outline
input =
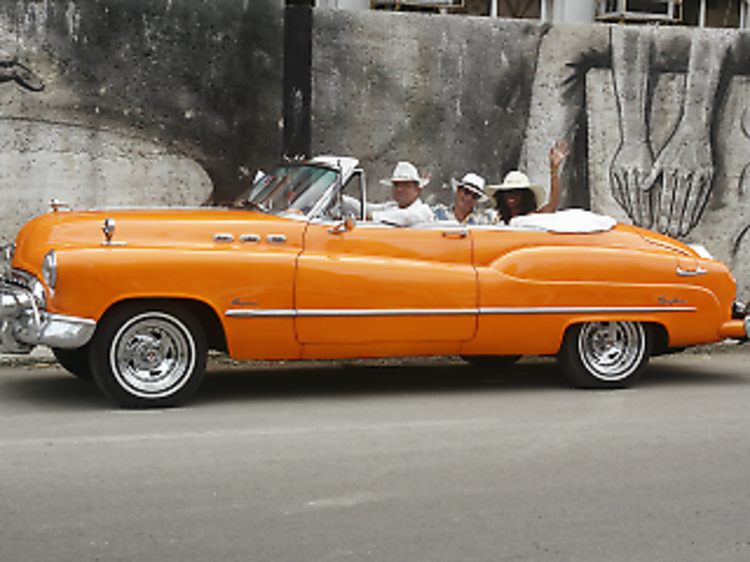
(557, 155)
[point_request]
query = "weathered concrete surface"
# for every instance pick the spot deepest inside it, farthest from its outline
(141, 102)
(451, 94)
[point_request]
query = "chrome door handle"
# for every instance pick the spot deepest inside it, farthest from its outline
(690, 273)
(340, 228)
(276, 239)
(455, 234)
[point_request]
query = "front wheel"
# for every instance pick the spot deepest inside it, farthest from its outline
(148, 356)
(605, 354)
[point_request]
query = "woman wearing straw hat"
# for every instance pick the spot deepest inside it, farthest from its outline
(517, 196)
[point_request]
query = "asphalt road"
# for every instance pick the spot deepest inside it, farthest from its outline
(428, 461)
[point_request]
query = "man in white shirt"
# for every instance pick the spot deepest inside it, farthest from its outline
(407, 208)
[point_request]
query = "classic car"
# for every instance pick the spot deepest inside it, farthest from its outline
(293, 270)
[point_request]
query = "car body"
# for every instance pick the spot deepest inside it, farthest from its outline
(294, 270)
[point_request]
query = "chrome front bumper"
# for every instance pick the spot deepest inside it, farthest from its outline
(23, 325)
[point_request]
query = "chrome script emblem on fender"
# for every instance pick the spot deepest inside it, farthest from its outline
(238, 302)
(663, 300)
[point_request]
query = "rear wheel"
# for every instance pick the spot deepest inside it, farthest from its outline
(149, 356)
(605, 354)
(75, 361)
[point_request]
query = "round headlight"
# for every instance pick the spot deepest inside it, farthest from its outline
(49, 269)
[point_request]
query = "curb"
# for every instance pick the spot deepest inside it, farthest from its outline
(40, 354)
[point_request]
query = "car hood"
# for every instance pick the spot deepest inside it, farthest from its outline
(153, 228)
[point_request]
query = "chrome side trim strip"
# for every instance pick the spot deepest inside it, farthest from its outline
(270, 313)
(583, 309)
(388, 312)
(487, 311)
(351, 312)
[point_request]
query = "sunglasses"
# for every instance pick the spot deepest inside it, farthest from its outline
(469, 192)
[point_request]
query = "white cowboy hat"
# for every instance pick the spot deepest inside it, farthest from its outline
(472, 182)
(519, 180)
(406, 171)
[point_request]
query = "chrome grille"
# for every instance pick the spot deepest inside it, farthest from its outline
(27, 281)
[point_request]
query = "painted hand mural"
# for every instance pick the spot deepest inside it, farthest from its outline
(633, 159)
(670, 192)
(686, 169)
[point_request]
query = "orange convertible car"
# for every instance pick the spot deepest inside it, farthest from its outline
(136, 298)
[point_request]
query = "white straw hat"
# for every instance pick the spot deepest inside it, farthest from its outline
(406, 171)
(519, 180)
(473, 183)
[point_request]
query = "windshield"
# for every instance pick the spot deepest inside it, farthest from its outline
(292, 188)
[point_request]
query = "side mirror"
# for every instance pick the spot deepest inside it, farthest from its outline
(344, 226)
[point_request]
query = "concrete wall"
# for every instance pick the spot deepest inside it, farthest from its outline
(449, 93)
(107, 102)
(658, 119)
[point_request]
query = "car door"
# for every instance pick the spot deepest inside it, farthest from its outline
(376, 283)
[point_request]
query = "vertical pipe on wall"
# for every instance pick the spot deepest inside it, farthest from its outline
(702, 14)
(493, 8)
(557, 11)
(297, 81)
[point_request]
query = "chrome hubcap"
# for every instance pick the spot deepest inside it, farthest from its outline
(612, 351)
(153, 355)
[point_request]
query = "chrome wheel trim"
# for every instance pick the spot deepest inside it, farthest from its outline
(611, 351)
(152, 355)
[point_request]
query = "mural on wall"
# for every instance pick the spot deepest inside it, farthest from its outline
(657, 119)
(14, 71)
(685, 165)
(660, 115)
(109, 103)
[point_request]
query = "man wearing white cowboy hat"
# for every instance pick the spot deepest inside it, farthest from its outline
(517, 196)
(469, 191)
(407, 208)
